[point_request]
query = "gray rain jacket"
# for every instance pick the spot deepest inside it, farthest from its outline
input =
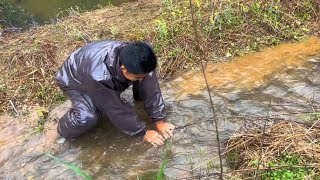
(95, 71)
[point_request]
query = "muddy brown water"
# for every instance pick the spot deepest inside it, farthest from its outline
(283, 81)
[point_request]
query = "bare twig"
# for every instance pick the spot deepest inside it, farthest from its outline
(215, 120)
(14, 108)
(262, 141)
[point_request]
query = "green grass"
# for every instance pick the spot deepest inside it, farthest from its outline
(13, 15)
(77, 170)
(59, 97)
(45, 89)
(162, 28)
(165, 158)
(42, 114)
(289, 170)
(160, 174)
(256, 23)
(287, 173)
(3, 87)
(114, 31)
(310, 117)
(231, 158)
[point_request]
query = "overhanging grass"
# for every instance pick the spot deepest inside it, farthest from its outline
(77, 170)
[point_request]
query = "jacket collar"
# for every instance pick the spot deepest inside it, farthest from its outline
(119, 75)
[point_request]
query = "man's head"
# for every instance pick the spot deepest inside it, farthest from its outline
(137, 60)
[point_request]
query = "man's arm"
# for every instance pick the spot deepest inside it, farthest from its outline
(121, 114)
(118, 112)
(149, 91)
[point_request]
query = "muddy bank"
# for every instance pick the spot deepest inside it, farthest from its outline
(242, 89)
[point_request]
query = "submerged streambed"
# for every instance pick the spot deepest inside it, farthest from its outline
(283, 81)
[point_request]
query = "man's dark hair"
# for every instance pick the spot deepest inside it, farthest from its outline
(138, 58)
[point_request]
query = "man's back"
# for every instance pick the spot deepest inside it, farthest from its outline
(97, 61)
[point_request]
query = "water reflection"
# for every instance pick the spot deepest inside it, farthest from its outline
(40, 11)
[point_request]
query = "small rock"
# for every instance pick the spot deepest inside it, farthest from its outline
(61, 140)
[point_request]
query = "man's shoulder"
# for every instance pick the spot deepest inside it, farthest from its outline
(104, 43)
(97, 48)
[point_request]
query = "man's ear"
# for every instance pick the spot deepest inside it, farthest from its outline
(123, 68)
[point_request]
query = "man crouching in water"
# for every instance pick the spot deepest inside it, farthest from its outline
(95, 75)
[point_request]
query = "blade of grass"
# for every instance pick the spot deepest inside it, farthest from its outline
(160, 174)
(72, 167)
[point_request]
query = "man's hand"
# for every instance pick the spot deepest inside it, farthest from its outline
(154, 138)
(166, 129)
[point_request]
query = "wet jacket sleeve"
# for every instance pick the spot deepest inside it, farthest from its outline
(150, 93)
(118, 112)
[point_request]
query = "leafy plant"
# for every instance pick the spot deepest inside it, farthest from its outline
(287, 173)
(163, 28)
(42, 117)
(3, 87)
(114, 31)
(198, 3)
(168, 4)
(59, 97)
(311, 117)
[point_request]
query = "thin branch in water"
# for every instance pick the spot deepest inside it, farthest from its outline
(196, 35)
(262, 141)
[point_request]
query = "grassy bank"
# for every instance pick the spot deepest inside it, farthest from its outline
(30, 59)
(285, 150)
